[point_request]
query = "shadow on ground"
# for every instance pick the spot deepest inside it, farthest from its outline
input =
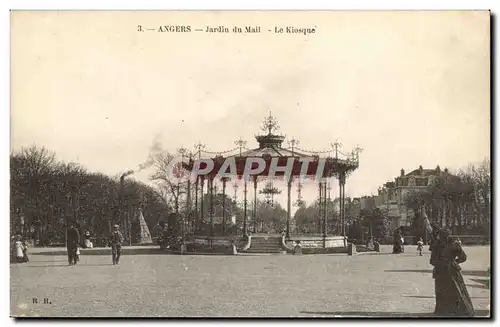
(432, 297)
(66, 265)
(479, 313)
(477, 273)
(125, 251)
(104, 251)
(483, 283)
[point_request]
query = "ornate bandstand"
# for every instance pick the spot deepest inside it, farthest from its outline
(323, 166)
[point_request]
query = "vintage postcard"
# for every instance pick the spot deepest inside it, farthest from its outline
(250, 164)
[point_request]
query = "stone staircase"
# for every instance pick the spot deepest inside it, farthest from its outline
(265, 244)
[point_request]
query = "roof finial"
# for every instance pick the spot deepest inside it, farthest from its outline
(293, 143)
(241, 144)
(270, 124)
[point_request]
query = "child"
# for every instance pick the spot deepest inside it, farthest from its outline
(420, 246)
(19, 249)
(25, 251)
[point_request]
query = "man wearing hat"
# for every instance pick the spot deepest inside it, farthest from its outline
(73, 240)
(116, 240)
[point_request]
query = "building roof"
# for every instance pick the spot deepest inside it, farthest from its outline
(272, 151)
(421, 172)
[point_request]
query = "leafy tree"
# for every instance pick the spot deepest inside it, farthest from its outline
(460, 202)
(378, 223)
(46, 195)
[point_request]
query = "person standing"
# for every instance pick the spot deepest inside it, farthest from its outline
(116, 241)
(73, 240)
(77, 253)
(398, 246)
(25, 251)
(376, 246)
(19, 249)
(87, 243)
(452, 297)
(420, 246)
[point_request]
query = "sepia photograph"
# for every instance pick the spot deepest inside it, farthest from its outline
(250, 164)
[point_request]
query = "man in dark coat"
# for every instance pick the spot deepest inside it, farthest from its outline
(73, 240)
(116, 240)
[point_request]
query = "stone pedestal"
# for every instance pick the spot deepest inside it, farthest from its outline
(351, 249)
(370, 245)
(183, 248)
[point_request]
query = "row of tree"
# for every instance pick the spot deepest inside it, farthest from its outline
(47, 195)
(359, 224)
(460, 202)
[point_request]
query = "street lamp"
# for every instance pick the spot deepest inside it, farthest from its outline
(121, 211)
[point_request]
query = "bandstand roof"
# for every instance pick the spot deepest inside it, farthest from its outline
(270, 146)
(272, 152)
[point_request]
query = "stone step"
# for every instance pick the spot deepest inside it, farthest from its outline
(266, 252)
(277, 243)
(265, 247)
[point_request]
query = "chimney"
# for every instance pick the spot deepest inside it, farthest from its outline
(438, 169)
(446, 170)
(402, 172)
(421, 169)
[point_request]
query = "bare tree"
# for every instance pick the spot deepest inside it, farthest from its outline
(169, 188)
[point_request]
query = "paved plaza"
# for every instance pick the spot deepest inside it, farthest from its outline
(160, 285)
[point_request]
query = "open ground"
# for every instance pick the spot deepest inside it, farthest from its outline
(160, 285)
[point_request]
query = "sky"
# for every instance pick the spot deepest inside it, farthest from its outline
(410, 88)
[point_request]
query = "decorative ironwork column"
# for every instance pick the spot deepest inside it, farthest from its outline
(254, 214)
(188, 203)
(325, 211)
(288, 207)
(245, 208)
(196, 220)
(202, 201)
(342, 201)
(224, 206)
(320, 205)
(199, 148)
(211, 211)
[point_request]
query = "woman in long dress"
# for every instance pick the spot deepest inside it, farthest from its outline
(398, 246)
(19, 249)
(452, 298)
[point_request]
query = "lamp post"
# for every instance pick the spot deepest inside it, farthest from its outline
(121, 211)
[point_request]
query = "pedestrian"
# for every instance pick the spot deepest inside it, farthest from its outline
(398, 245)
(452, 297)
(420, 246)
(25, 251)
(72, 242)
(369, 244)
(116, 240)
(87, 243)
(77, 253)
(19, 249)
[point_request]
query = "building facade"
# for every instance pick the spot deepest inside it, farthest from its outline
(391, 196)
